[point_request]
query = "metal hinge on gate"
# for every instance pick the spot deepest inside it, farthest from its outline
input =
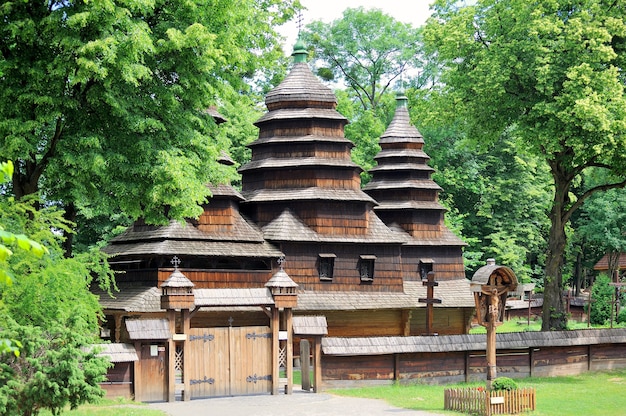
(254, 335)
(255, 378)
(204, 337)
(204, 380)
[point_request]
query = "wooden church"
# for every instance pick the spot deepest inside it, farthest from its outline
(218, 305)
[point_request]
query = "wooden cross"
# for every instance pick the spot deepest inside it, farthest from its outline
(281, 262)
(299, 20)
(429, 300)
(175, 261)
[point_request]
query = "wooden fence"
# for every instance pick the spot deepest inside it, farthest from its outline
(479, 401)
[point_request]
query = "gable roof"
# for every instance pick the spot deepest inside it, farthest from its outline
(603, 263)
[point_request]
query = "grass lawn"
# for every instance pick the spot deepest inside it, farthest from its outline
(521, 325)
(107, 407)
(590, 394)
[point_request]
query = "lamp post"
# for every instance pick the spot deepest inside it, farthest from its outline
(490, 285)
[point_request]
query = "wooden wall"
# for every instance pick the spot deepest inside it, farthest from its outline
(446, 321)
(119, 380)
(364, 323)
(211, 279)
(217, 318)
(448, 262)
(302, 267)
(460, 366)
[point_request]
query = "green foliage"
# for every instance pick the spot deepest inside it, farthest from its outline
(366, 49)
(549, 74)
(503, 383)
(48, 316)
(54, 369)
(103, 104)
(602, 295)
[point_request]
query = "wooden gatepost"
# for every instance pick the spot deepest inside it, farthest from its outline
(285, 299)
(177, 294)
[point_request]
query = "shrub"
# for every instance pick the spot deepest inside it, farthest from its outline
(602, 295)
(503, 383)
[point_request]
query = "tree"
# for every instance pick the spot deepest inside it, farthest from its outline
(103, 104)
(602, 296)
(604, 224)
(48, 316)
(551, 74)
(368, 50)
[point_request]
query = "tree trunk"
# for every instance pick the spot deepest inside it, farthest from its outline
(554, 313)
(68, 242)
(25, 178)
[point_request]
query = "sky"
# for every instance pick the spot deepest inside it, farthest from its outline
(414, 12)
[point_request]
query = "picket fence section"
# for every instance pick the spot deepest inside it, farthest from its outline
(480, 401)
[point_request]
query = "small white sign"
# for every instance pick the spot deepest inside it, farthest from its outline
(497, 400)
(154, 350)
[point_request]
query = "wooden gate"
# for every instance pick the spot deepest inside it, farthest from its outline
(153, 387)
(229, 361)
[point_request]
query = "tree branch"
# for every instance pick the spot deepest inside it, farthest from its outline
(588, 193)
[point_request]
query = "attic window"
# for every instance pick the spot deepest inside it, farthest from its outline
(366, 268)
(326, 266)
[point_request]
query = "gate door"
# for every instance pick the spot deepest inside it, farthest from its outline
(229, 361)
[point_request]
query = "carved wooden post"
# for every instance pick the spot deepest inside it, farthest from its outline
(490, 285)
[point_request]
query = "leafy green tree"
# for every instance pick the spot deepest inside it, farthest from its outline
(550, 73)
(366, 49)
(604, 224)
(48, 316)
(103, 104)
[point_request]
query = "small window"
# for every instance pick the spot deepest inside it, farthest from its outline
(425, 266)
(326, 266)
(366, 268)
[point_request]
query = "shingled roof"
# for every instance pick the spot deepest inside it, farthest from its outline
(300, 85)
(453, 294)
(310, 325)
(472, 342)
(402, 185)
(131, 299)
(117, 352)
(147, 329)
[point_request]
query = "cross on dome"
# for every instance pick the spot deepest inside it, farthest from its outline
(281, 262)
(175, 261)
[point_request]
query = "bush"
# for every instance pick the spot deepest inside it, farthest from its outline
(621, 318)
(503, 383)
(602, 295)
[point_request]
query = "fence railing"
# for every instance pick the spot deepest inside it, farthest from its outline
(480, 401)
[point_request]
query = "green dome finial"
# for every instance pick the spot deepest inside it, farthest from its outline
(299, 52)
(401, 100)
